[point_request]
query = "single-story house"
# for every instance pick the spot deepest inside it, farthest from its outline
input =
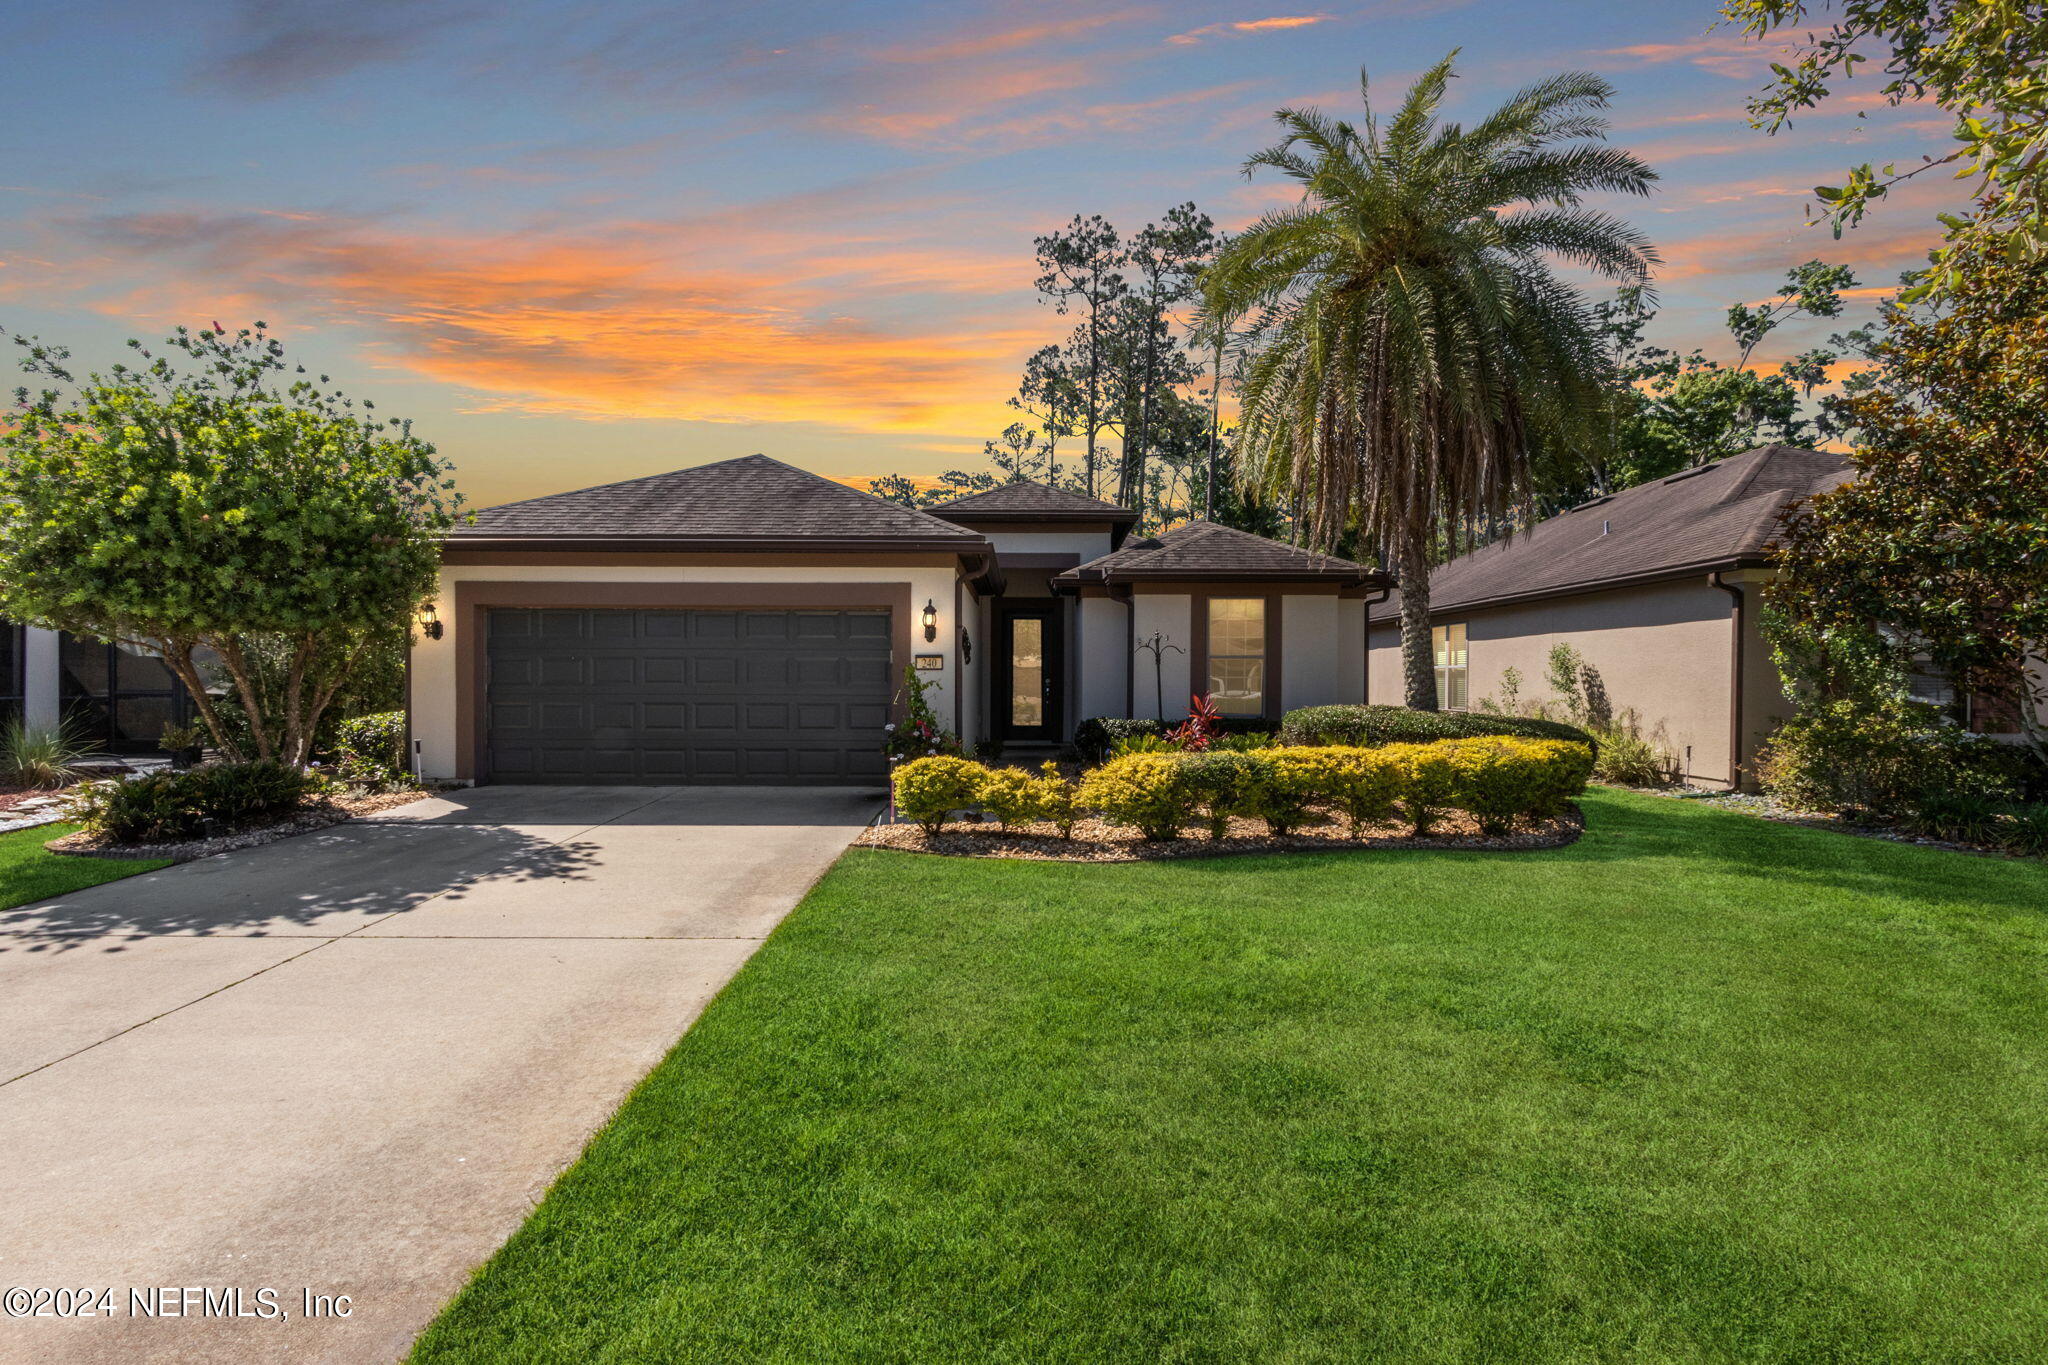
(1655, 586)
(748, 621)
(114, 698)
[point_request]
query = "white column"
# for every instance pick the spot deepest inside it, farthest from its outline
(41, 703)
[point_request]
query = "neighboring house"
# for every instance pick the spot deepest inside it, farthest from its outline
(115, 698)
(747, 621)
(1655, 586)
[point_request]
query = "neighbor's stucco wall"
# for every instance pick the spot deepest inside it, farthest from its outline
(1310, 635)
(1102, 656)
(1164, 694)
(1663, 650)
(434, 661)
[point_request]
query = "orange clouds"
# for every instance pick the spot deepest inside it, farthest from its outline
(619, 321)
(1723, 51)
(1275, 23)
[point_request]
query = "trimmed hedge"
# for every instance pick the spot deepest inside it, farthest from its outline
(1096, 736)
(1497, 779)
(163, 807)
(1368, 727)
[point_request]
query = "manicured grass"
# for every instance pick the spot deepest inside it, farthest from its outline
(29, 873)
(1700, 1087)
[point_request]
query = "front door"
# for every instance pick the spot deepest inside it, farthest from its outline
(1029, 672)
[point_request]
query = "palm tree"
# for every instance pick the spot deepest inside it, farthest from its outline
(1412, 337)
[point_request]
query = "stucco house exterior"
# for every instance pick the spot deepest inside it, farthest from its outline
(748, 621)
(1656, 586)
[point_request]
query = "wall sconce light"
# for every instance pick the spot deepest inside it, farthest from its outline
(430, 624)
(931, 620)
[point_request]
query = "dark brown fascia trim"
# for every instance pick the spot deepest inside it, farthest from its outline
(722, 544)
(1068, 582)
(1590, 588)
(1012, 515)
(463, 556)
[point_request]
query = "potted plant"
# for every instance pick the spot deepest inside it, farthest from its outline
(184, 743)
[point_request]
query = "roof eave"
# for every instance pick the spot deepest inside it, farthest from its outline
(722, 544)
(1722, 564)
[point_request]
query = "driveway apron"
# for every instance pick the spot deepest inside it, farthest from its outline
(348, 1064)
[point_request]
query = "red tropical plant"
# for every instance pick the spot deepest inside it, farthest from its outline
(1200, 729)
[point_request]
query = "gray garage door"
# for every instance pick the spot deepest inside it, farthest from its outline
(688, 696)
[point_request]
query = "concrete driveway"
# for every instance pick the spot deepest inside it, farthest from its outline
(350, 1062)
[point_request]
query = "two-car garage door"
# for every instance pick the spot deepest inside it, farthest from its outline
(681, 696)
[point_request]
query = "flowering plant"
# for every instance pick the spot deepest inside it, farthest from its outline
(918, 734)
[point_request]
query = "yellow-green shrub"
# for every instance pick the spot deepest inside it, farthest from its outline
(1055, 797)
(1011, 795)
(1428, 781)
(1143, 790)
(1363, 783)
(1222, 783)
(929, 789)
(1501, 779)
(1289, 782)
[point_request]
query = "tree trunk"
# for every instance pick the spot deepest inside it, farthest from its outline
(230, 650)
(1418, 656)
(1134, 465)
(178, 654)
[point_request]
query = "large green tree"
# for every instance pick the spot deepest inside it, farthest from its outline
(1938, 551)
(214, 500)
(1980, 61)
(1420, 338)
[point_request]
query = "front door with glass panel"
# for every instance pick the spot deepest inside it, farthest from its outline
(1028, 673)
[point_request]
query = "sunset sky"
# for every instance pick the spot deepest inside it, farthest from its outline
(583, 242)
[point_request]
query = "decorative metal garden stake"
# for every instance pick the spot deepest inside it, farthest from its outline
(1158, 647)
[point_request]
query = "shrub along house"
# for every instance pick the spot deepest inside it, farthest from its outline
(1656, 587)
(747, 621)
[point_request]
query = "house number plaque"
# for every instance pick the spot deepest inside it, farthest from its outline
(931, 663)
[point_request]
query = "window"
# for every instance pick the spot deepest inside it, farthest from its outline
(119, 696)
(1237, 655)
(10, 672)
(1449, 643)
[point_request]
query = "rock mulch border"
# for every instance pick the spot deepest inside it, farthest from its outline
(334, 811)
(1097, 841)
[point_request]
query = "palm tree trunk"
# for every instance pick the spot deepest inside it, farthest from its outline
(1418, 657)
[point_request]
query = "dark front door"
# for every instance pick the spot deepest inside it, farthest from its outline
(1029, 673)
(688, 696)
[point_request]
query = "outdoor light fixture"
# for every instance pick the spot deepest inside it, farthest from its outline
(430, 624)
(966, 648)
(931, 620)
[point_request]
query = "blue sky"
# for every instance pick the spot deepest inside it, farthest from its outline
(583, 242)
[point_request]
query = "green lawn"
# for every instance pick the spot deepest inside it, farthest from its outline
(1700, 1087)
(29, 873)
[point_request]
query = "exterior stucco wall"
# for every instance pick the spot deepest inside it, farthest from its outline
(1087, 544)
(1663, 650)
(1311, 636)
(1102, 656)
(1350, 652)
(434, 662)
(1164, 695)
(42, 701)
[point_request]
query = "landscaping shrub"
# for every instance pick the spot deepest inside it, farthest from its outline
(1096, 736)
(2025, 831)
(1011, 795)
(1958, 817)
(1290, 783)
(1628, 758)
(370, 750)
(919, 734)
(1056, 799)
(1429, 779)
(929, 789)
(1144, 744)
(1500, 780)
(166, 806)
(1370, 727)
(1363, 783)
(1884, 759)
(40, 756)
(1223, 783)
(1146, 791)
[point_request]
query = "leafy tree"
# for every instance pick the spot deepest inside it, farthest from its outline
(1081, 267)
(1421, 334)
(1939, 549)
(897, 488)
(213, 499)
(1053, 399)
(1979, 60)
(1167, 257)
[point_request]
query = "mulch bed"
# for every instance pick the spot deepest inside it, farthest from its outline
(1098, 841)
(333, 811)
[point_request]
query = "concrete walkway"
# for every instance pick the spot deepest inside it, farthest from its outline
(349, 1063)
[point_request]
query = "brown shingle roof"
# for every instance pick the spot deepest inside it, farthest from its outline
(739, 502)
(1720, 516)
(1027, 500)
(1202, 549)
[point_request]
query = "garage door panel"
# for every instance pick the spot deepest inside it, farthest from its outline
(687, 696)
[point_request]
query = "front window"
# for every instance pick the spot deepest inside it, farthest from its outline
(1451, 672)
(1237, 655)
